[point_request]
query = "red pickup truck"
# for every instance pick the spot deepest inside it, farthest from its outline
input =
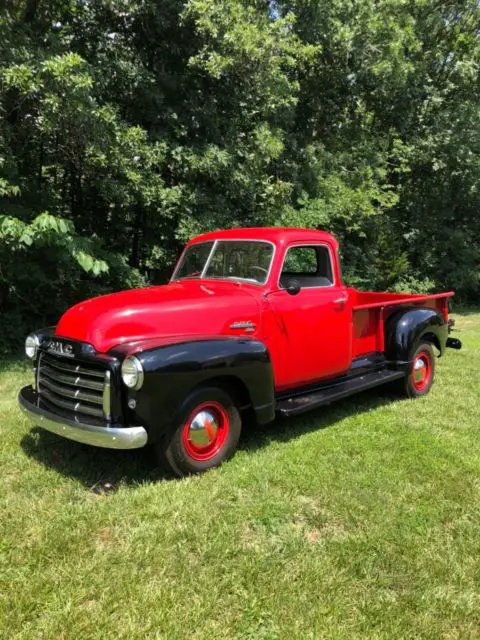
(253, 323)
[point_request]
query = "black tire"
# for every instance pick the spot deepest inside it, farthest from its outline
(419, 378)
(218, 422)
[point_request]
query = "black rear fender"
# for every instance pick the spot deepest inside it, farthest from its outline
(404, 329)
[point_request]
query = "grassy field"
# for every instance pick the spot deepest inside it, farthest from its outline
(360, 520)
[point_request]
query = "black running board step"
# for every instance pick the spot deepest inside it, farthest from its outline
(313, 399)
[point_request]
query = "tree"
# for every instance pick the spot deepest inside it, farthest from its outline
(128, 126)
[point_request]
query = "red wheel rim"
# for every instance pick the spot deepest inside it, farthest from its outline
(422, 370)
(205, 431)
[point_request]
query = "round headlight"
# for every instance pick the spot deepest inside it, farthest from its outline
(31, 345)
(132, 373)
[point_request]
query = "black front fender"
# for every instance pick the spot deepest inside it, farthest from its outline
(405, 328)
(172, 371)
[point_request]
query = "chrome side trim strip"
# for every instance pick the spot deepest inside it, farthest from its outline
(108, 437)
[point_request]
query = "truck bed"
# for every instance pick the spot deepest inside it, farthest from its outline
(370, 310)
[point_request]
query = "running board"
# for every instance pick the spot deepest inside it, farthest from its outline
(313, 399)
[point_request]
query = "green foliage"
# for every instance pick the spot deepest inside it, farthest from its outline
(128, 127)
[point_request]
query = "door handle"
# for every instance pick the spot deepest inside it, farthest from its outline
(340, 301)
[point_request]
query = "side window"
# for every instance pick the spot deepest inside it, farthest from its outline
(302, 260)
(311, 266)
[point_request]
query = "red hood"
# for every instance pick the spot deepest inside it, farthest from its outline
(177, 309)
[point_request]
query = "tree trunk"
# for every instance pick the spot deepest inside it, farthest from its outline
(30, 11)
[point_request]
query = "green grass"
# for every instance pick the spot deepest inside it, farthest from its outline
(360, 520)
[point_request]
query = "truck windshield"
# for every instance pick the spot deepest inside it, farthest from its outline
(227, 260)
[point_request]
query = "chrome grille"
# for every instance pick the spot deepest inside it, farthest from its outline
(74, 387)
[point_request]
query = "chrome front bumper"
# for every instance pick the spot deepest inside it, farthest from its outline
(98, 436)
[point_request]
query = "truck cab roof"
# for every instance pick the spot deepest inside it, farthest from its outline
(277, 235)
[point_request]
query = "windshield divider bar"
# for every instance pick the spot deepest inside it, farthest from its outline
(209, 259)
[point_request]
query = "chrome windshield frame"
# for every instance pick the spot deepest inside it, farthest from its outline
(210, 256)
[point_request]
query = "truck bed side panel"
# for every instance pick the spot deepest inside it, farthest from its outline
(371, 310)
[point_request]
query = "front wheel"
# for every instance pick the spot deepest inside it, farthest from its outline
(205, 434)
(419, 379)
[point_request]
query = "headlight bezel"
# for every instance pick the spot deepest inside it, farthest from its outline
(136, 373)
(32, 343)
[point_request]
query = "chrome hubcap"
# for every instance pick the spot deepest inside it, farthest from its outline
(420, 370)
(203, 429)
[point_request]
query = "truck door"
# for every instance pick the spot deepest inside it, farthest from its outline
(309, 333)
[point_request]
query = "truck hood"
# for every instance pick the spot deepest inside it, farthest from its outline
(188, 308)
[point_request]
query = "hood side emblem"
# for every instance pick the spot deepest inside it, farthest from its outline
(244, 324)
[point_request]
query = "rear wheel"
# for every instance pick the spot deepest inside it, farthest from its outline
(204, 435)
(419, 379)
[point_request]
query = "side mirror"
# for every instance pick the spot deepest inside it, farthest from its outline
(293, 286)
